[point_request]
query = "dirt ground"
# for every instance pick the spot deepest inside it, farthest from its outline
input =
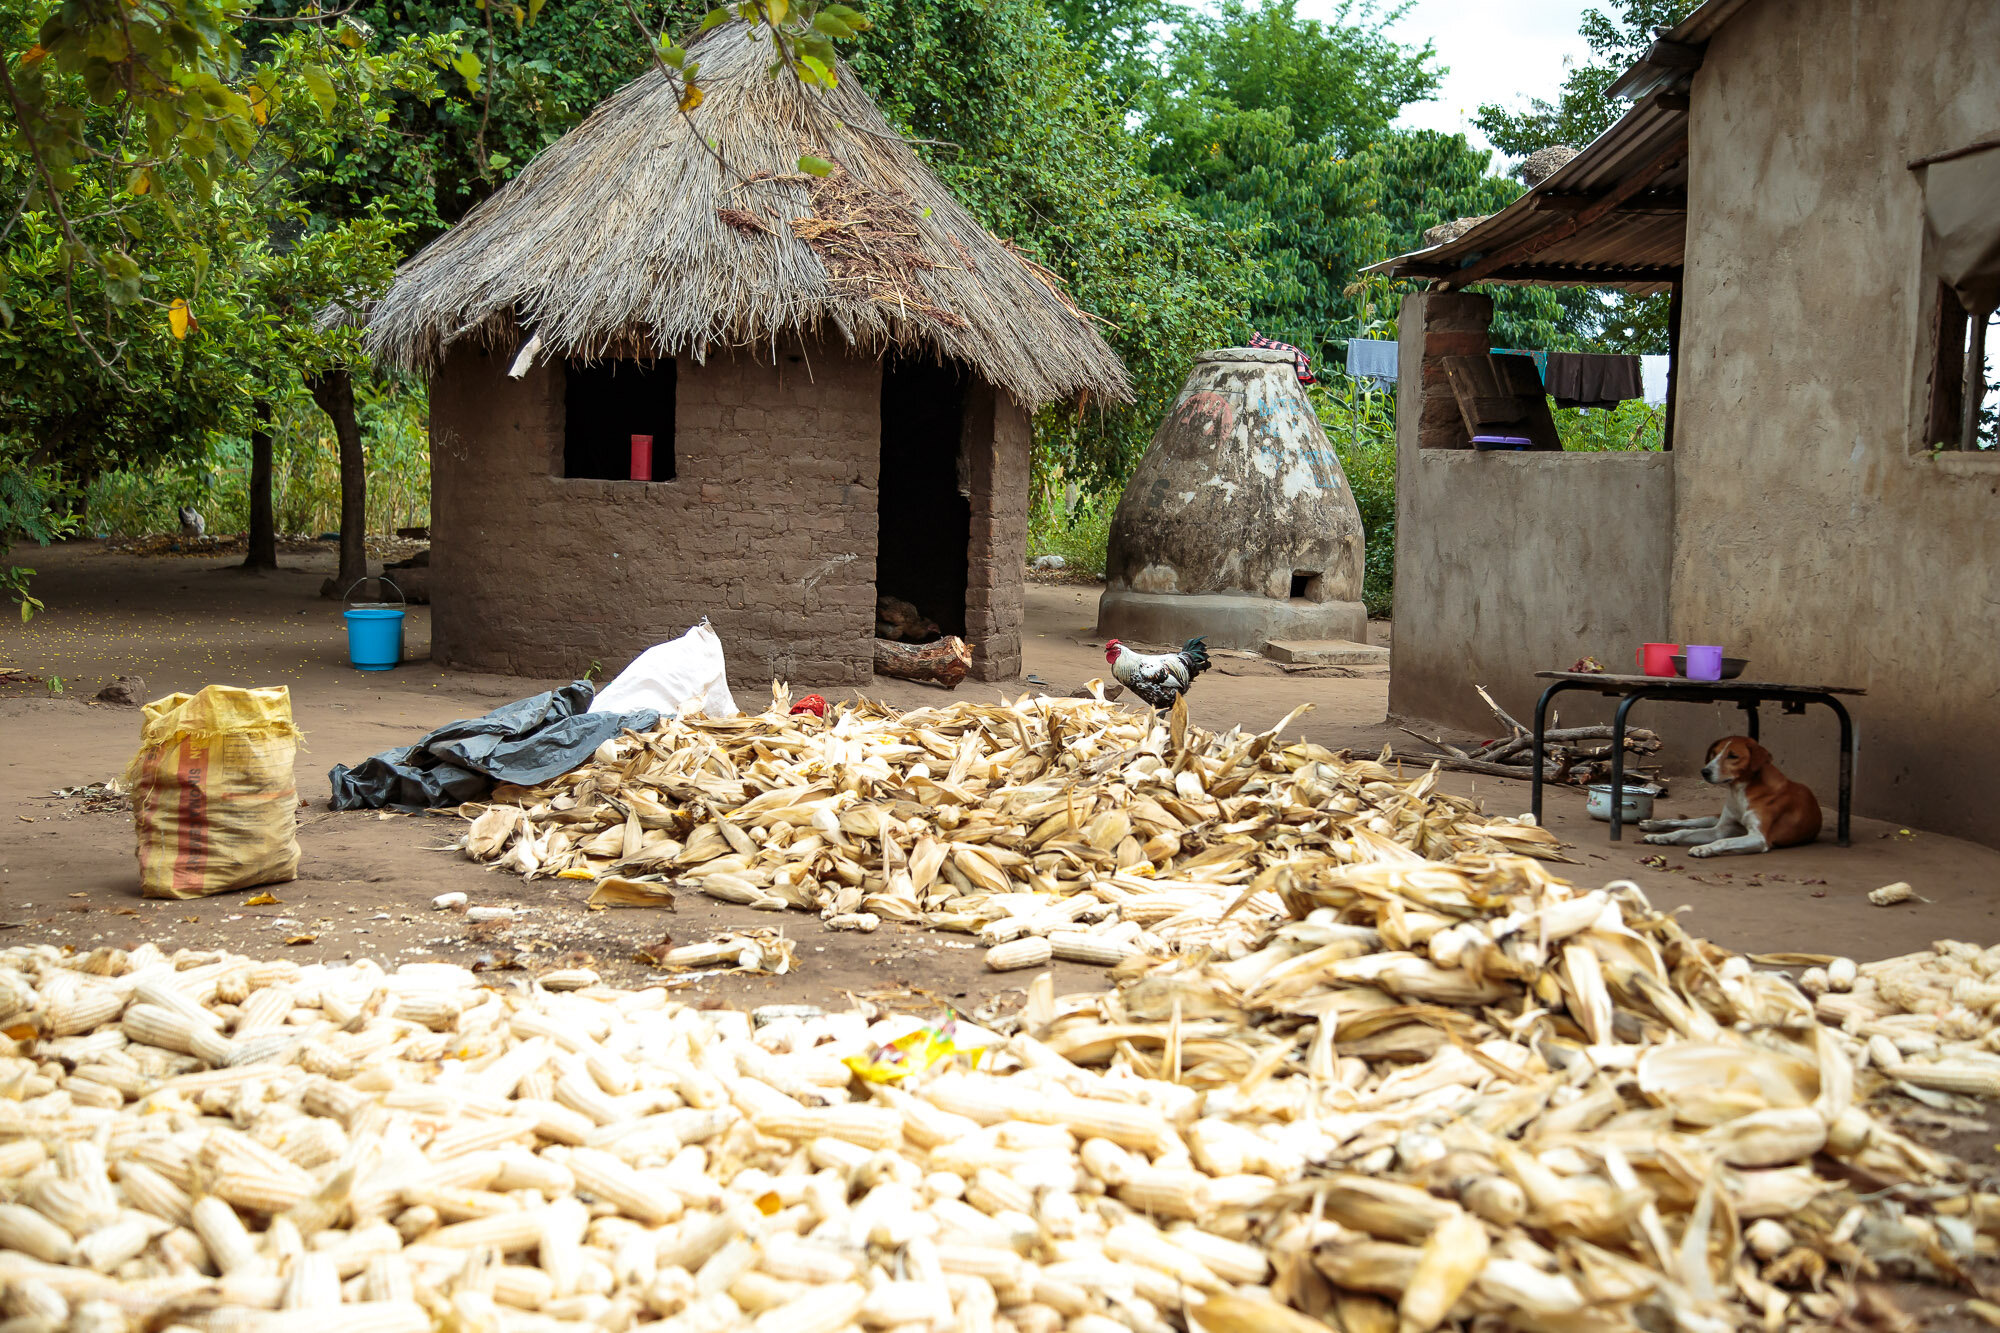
(67, 872)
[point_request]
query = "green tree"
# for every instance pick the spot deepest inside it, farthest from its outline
(1581, 111)
(1609, 321)
(1014, 120)
(161, 277)
(1279, 130)
(1342, 81)
(1119, 39)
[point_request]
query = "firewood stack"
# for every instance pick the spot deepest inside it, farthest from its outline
(1568, 755)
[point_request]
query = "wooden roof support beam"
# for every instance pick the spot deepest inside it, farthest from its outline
(1646, 201)
(1569, 226)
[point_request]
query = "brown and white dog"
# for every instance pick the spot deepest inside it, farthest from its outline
(1764, 808)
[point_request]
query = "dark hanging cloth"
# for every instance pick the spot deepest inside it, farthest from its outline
(1589, 379)
(526, 742)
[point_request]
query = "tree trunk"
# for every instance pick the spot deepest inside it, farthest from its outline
(263, 538)
(334, 392)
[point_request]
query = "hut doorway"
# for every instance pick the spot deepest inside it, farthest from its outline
(924, 509)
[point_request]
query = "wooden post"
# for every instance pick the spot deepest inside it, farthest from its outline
(1975, 381)
(1673, 361)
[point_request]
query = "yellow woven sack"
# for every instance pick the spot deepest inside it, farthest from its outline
(214, 801)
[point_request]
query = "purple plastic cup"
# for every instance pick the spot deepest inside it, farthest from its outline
(1704, 662)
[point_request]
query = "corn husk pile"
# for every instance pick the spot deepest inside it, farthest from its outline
(1419, 1096)
(1064, 828)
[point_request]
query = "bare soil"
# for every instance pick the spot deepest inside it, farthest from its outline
(67, 870)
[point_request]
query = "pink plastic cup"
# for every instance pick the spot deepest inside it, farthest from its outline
(1656, 659)
(1704, 662)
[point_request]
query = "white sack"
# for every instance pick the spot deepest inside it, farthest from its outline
(684, 676)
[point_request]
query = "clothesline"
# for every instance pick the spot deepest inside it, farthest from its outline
(1375, 359)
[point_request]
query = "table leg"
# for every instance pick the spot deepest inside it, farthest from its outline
(1540, 745)
(1846, 763)
(1750, 706)
(1618, 762)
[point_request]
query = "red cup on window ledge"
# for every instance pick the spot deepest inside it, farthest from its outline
(642, 458)
(1657, 659)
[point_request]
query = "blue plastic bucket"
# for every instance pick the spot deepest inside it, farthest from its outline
(374, 633)
(375, 637)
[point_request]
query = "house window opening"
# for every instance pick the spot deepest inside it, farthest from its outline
(923, 514)
(1965, 381)
(618, 420)
(1306, 585)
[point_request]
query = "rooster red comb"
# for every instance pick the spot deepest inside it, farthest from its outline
(1111, 647)
(813, 704)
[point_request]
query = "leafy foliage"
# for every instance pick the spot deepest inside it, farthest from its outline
(306, 481)
(30, 510)
(1359, 419)
(1023, 134)
(1606, 321)
(1279, 130)
(1632, 426)
(1581, 111)
(1081, 535)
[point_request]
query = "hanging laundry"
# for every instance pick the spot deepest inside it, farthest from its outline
(1372, 358)
(1653, 371)
(1586, 379)
(1541, 358)
(1300, 360)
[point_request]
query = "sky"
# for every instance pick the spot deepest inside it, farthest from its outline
(1497, 51)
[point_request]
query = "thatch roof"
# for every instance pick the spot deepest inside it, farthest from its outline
(628, 235)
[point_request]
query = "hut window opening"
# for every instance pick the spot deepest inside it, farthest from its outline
(618, 420)
(1306, 585)
(923, 513)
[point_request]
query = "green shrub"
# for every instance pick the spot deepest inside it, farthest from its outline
(1360, 420)
(1633, 426)
(1079, 536)
(305, 480)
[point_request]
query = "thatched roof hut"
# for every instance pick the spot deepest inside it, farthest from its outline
(674, 377)
(631, 233)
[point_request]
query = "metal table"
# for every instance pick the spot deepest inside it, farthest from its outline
(1678, 689)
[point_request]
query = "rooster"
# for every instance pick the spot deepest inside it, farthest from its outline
(1158, 678)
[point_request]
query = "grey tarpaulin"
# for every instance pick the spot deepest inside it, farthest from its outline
(526, 742)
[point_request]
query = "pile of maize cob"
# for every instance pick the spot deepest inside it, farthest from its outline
(1411, 1095)
(1050, 828)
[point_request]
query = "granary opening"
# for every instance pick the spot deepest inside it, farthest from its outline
(608, 403)
(924, 507)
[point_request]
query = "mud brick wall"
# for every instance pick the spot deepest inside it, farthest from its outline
(998, 441)
(1454, 324)
(768, 528)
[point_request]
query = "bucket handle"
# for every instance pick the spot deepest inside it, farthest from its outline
(347, 598)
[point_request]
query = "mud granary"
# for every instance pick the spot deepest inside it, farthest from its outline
(1818, 189)
(1238, 525)
(836, 373)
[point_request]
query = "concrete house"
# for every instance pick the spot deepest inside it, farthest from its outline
(1818, 186)
(836, 373)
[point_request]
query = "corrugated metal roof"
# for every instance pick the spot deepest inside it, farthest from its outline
(1660, 67)
(1635, 242)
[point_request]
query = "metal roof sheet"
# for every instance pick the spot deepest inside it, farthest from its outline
(1615, 215)
(1635, 244)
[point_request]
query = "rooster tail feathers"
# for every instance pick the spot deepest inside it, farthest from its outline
(1195, 650)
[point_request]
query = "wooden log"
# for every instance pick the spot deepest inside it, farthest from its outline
(944, 662)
